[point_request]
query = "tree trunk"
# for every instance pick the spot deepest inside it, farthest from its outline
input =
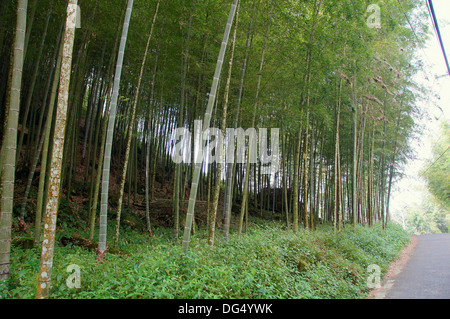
(31, 88)
(244, 205)
(232, 166)
(382, 172)
(305, 173)
(147, 154)
(109, 136)
(296, 185)
(57, 153)
(206, 124)
(337, 197)
(9, 142)
(212, 222)
(391, 169)
(45, 148)
(355, 154)
(285, 192)
(178, 166)
(131, 128)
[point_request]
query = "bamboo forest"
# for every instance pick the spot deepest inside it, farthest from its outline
(204, 149)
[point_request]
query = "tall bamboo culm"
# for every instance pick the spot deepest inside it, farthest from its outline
(52, 204)
(9, 142)
(109, 136)
(206, 124)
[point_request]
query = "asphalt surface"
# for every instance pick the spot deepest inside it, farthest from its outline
(427, 273)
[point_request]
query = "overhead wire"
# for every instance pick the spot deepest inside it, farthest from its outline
(432, 14)
(402, 11)
(434, 22)
(438, 32)
(434, 162)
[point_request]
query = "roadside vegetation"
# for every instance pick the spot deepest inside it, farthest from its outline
(265, 262)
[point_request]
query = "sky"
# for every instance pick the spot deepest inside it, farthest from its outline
(410, 191)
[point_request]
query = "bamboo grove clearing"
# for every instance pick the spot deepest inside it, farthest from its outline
(92, 92)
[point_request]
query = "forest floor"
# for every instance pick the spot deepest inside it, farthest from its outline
(266, 262)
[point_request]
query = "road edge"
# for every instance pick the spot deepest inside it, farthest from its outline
(394, 269)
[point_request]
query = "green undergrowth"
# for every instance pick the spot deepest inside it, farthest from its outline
(265, 262)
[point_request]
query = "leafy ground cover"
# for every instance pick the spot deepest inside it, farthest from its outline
(266, 262)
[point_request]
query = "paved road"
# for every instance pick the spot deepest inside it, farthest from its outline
(427, 273)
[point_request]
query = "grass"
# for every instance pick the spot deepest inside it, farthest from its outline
(267, 262)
